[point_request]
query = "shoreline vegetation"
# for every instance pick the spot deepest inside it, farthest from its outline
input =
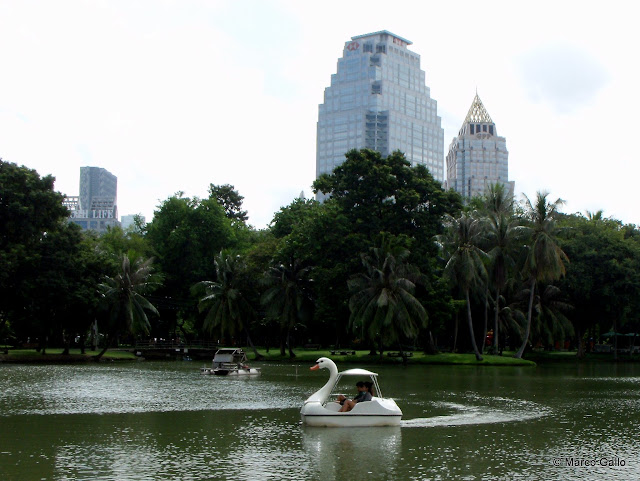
(303, 356)
(390, 260)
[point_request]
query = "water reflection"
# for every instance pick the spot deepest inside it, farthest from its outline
(337, 453)
(212, 445)
(135, 389)
(165, 421)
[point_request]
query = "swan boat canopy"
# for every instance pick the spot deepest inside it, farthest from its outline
(320, 409)
(230, 362)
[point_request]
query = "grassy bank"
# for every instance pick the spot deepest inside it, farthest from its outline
(55, 356)
(305, 356)
(543, 357)
(363, 357)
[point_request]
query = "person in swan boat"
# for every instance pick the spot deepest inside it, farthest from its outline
(363, 395)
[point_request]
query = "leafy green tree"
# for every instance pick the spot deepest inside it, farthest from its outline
(124, 297)
(465, 265)
(603, 278)
(30, 210)
(230, 200)
(382, 304)
(116, 242)
(370, 195)
(386, 194)
(545, 260)
(321, 237)
(91, 265)
(287, 298)
(291, 216)
(228, 310)
(64, 287)
(185, 235)
(29, 207)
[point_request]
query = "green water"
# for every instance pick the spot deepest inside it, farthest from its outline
(165, 421)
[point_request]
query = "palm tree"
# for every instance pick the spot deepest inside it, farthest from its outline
(228, 310)
(465, 263)
(595, 216)
(287, 298)
(382, 302)
(545, 260)
(498, 200)
(497, 203)
(550, 322)
(504, 236)
(123, 296)
(511, 319)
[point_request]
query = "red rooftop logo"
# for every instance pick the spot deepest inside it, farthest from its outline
(353, 46)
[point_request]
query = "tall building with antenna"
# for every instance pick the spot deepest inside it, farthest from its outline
(478, 157)
(378, 99)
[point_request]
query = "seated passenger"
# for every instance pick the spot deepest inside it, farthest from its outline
(369, 386)
(363, 395)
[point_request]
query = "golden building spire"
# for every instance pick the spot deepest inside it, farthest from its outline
(477, 113)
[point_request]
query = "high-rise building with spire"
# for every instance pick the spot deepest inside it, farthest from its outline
(378, 100)
(478, 157)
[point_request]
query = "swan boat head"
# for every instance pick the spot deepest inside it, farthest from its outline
(323, 393)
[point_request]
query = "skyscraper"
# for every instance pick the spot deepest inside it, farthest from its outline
(477, 157)
(378, 100)
(97, 185)
(96, 206)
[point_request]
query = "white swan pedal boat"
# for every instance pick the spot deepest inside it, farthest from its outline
(320, 410)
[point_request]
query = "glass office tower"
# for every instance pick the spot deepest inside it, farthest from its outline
(378, 100)
(477, 157)
(96, 206)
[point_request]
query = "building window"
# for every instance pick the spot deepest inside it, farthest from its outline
(367, 47)
(381, 48)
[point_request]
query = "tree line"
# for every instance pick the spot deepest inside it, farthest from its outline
(389, 261)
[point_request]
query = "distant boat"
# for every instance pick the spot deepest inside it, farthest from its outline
(320, 410)
(230, 362)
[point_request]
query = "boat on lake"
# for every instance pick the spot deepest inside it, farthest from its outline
(321, 408)
(230, 362)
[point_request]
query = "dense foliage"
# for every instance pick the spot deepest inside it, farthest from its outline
(388, 261)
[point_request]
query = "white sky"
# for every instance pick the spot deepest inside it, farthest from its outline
(174, 95)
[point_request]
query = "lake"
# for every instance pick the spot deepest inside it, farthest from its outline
(165, 421)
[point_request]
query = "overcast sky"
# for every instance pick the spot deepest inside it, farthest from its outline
(174, 95)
